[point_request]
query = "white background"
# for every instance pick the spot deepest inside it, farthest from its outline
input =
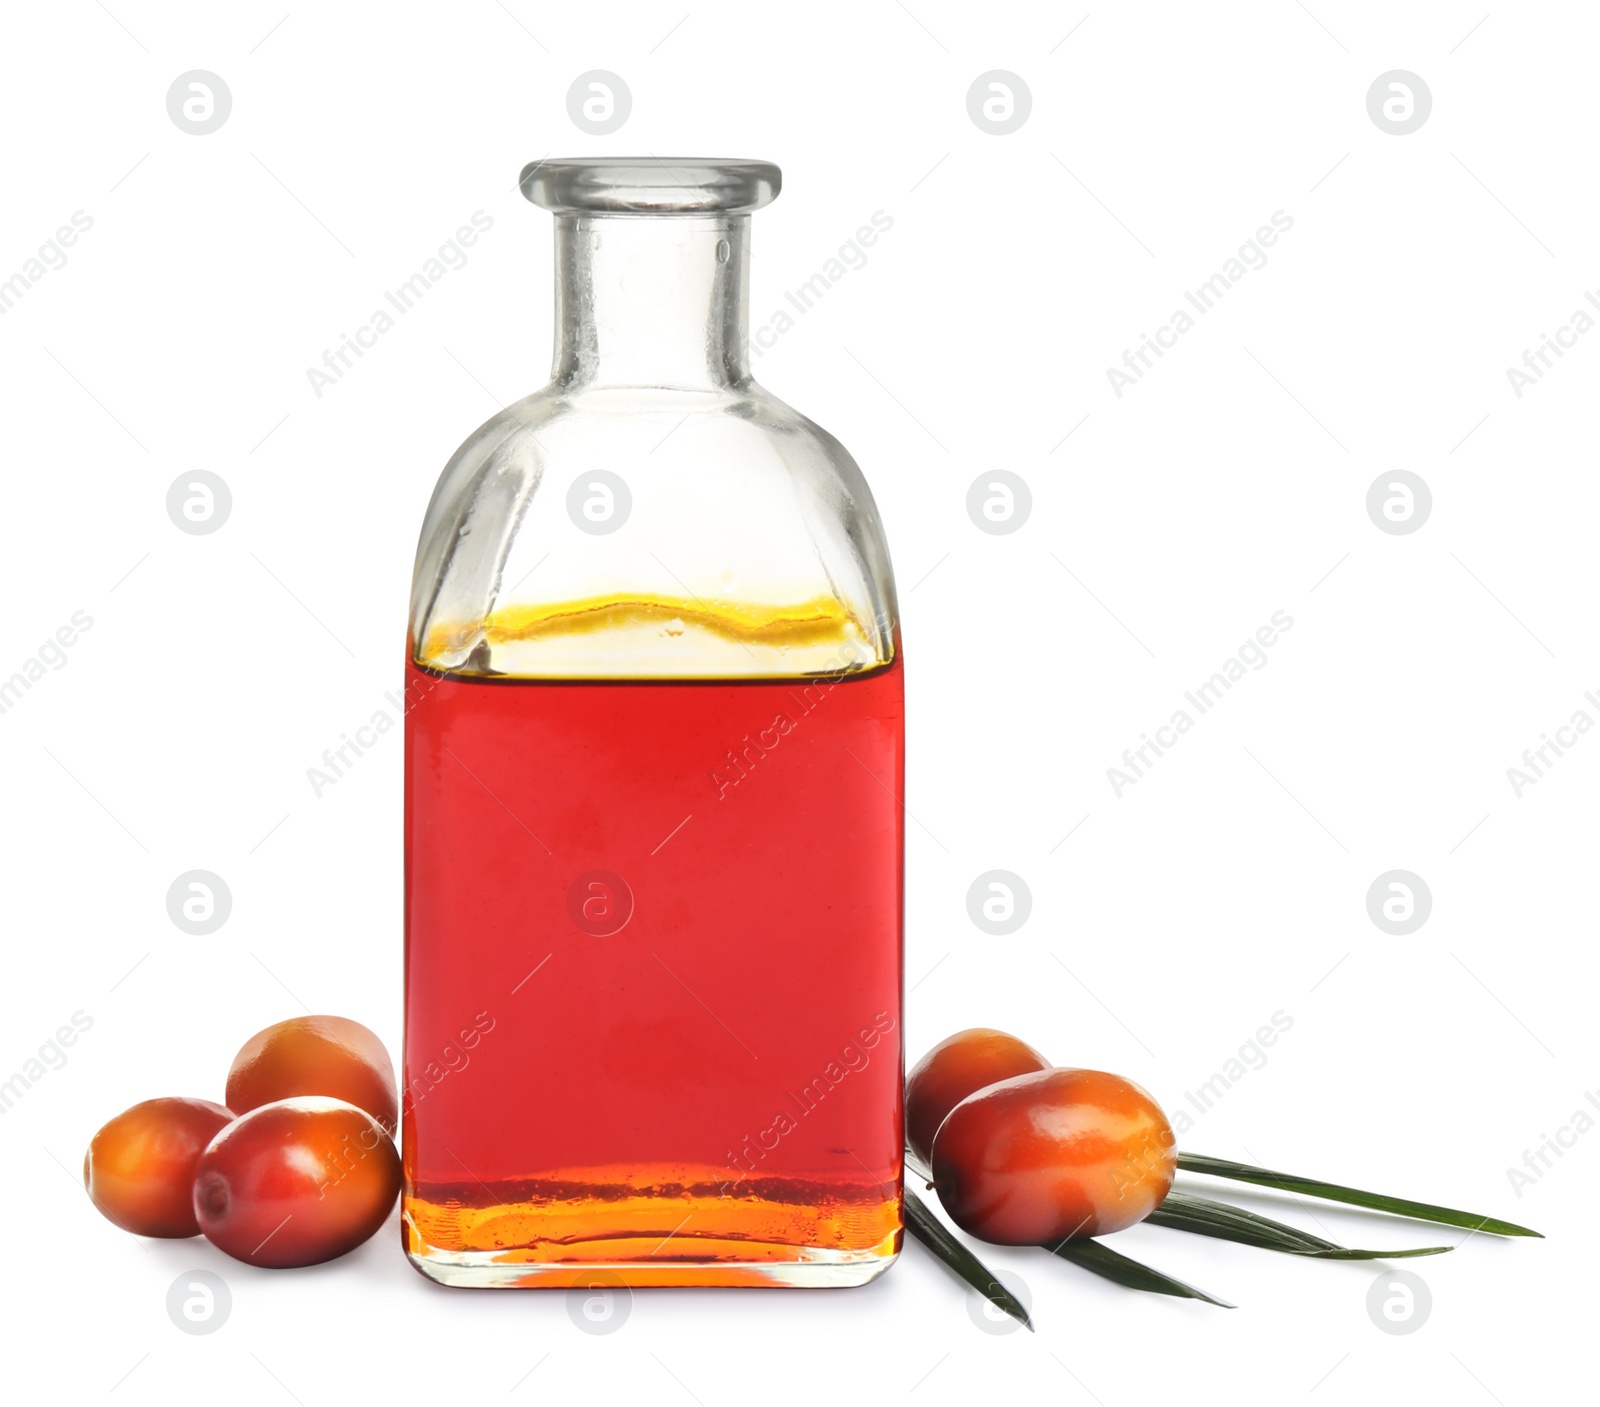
(1230, 483)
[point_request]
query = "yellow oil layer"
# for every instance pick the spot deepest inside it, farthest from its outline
(639, 635)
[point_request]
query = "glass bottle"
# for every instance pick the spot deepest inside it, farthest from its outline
(654, 756)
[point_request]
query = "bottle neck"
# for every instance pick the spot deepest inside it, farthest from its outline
(652, 300)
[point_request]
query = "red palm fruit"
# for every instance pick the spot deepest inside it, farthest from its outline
(296, 1182)
(326, 1055)
(958, 1066)
(140, 1167)
(1054, 1156)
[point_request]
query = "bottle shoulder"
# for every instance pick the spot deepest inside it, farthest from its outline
(745, 418)
(664, 526)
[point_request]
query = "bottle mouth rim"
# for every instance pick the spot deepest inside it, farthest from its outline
(650, 185)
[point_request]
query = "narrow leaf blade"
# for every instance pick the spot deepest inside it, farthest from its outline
(1354, 1196)
(956, 1258)
(1123, 1270)
(1183, 1211)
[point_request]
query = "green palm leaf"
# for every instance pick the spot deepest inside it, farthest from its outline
(958, 1260)
(1182, 1211)
(1122, 1270)
(1333, 1192)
